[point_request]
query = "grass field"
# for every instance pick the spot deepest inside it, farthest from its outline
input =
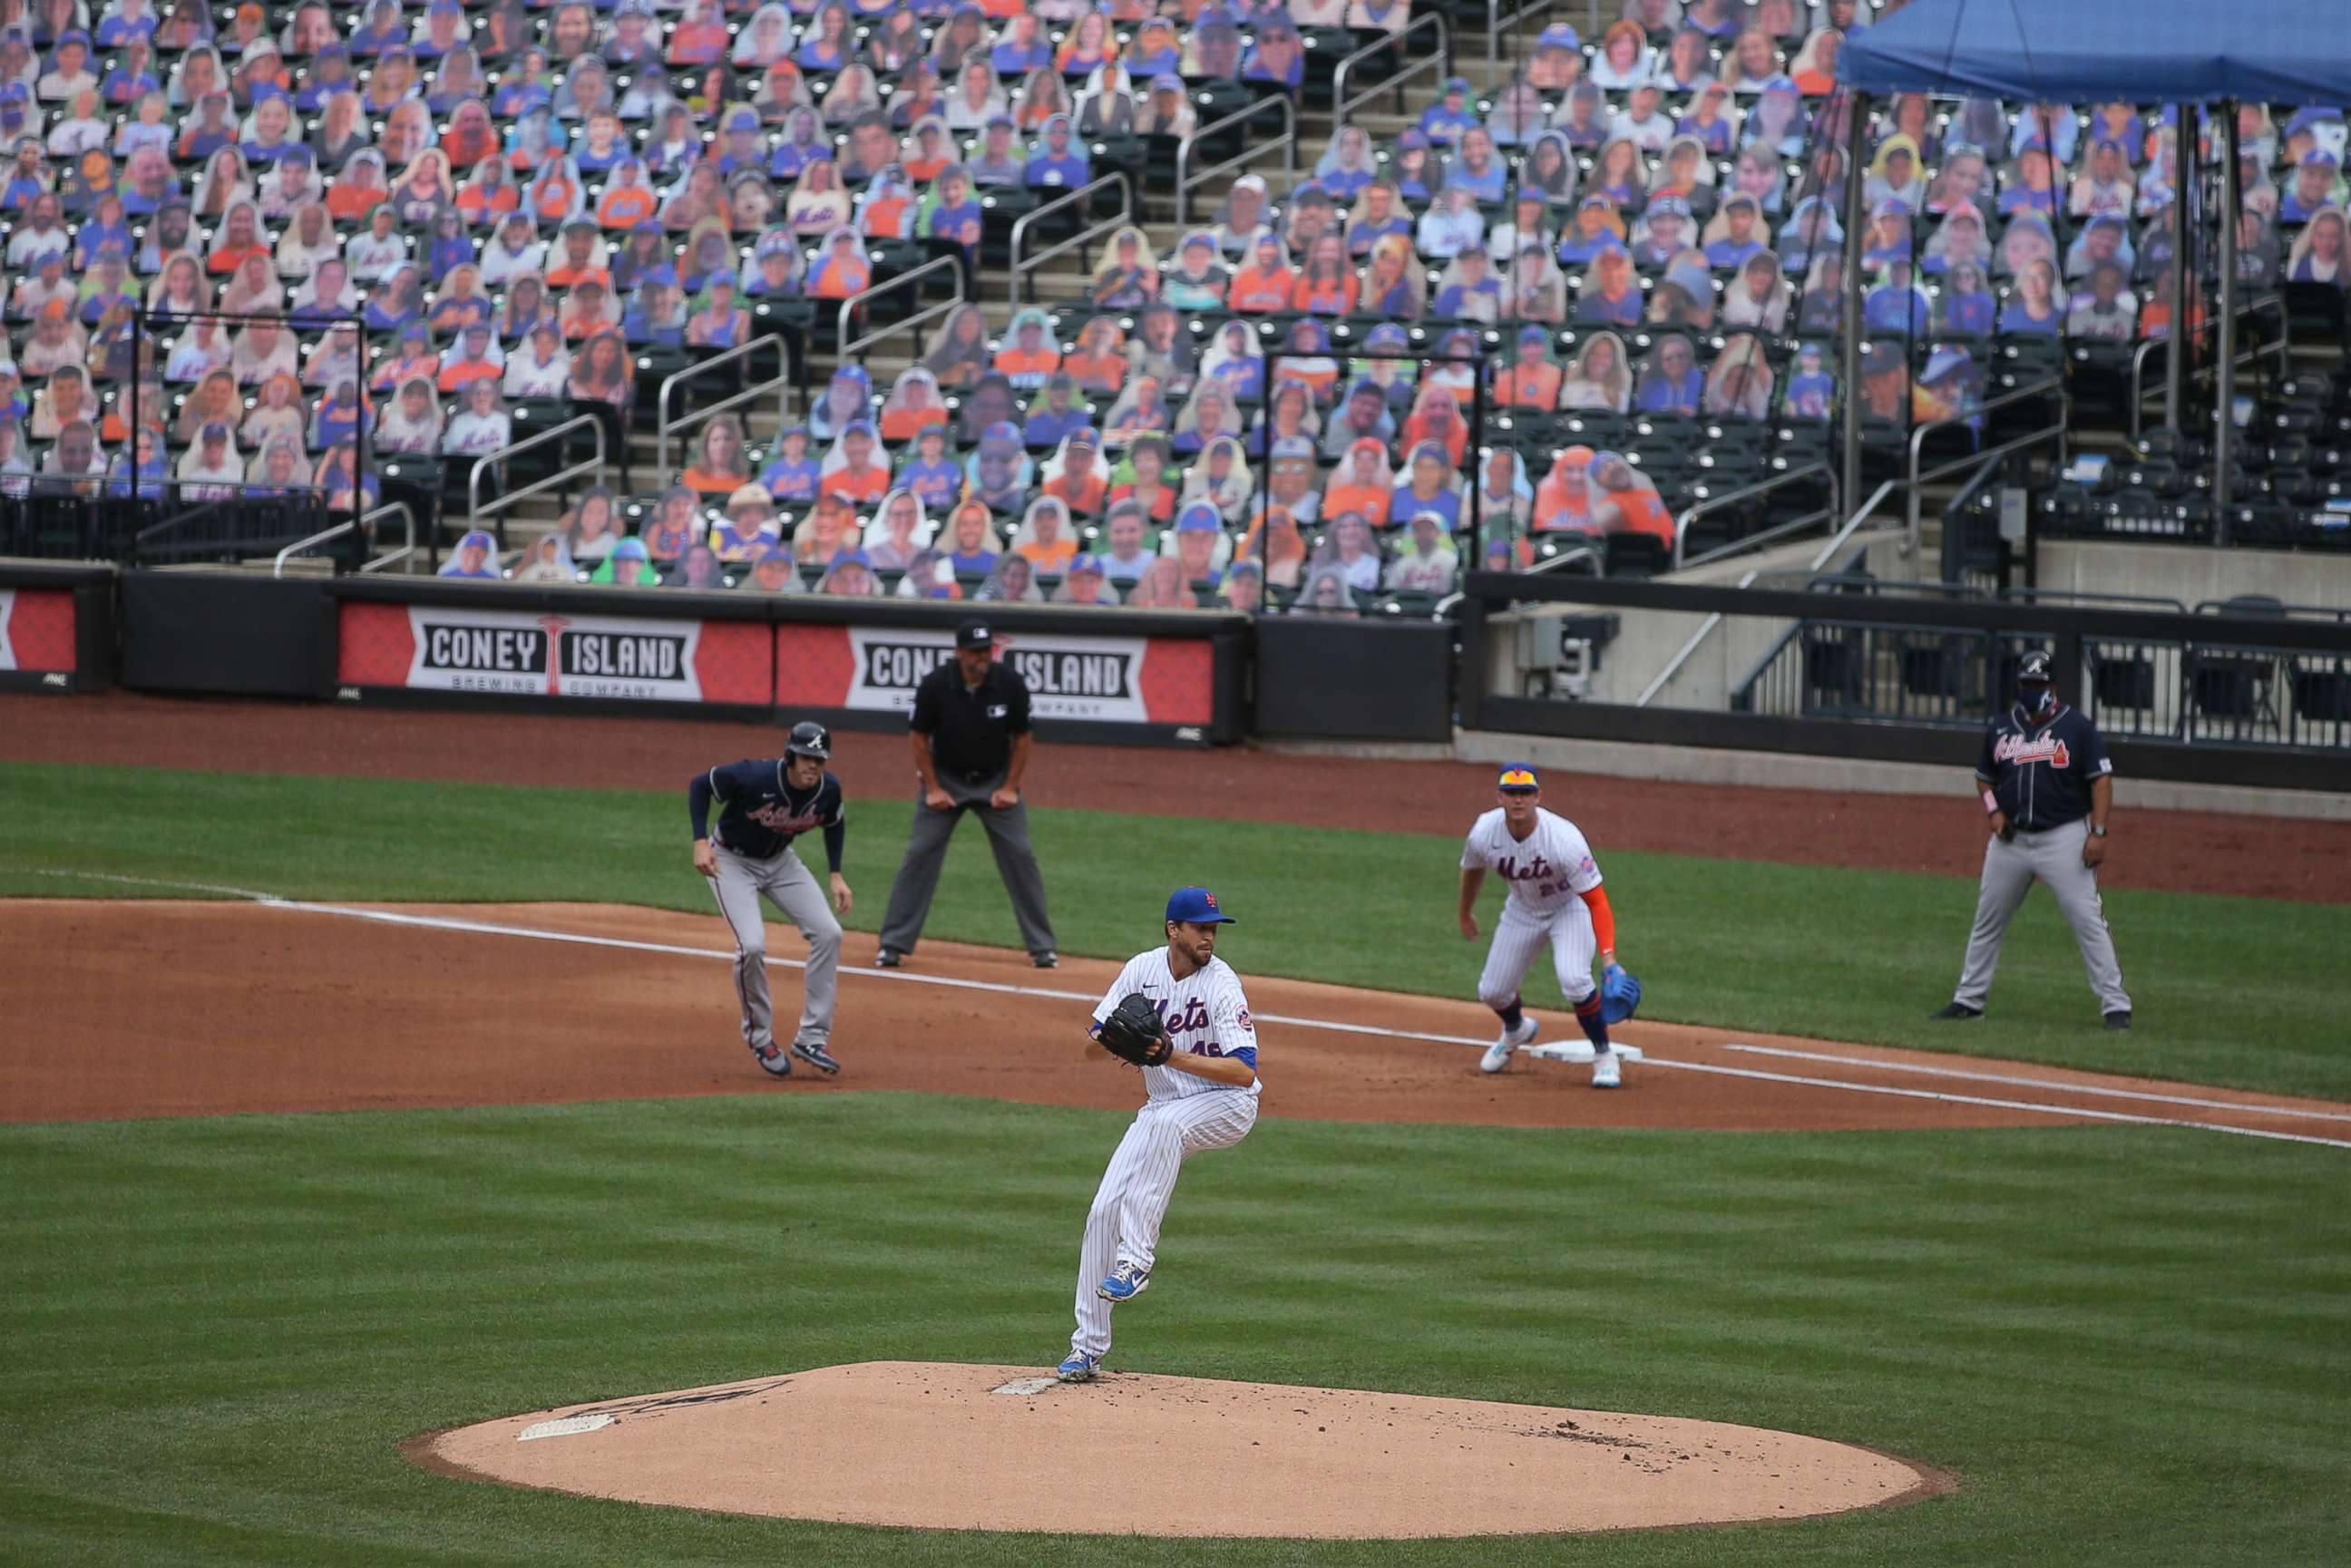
(219, 1330)
(2245, 992)
(2131, 1345)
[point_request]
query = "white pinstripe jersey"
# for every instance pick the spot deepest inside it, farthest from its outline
(1205, 1013)
(1546, 870)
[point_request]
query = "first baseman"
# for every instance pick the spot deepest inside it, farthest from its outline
(764, 805)
(1177, 1012)
(1556, 898)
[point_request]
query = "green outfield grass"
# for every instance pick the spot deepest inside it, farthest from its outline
(2132, 1346)
(2246, 992)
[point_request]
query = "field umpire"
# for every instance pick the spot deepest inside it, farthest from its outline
(2046, 780)
(971, 746)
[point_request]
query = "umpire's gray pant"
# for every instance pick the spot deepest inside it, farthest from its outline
(926, 850)
(2054, 856)
(792, 888)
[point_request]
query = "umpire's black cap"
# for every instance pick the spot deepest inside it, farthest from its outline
(974, 634)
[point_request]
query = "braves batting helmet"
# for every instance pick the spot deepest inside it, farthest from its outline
(810, 738)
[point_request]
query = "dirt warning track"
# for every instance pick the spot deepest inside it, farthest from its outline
(287, 1006)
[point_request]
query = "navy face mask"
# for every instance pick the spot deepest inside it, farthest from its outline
(2036, 696)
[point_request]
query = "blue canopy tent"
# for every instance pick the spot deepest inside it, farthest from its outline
(2139, 51)
(2083, 51)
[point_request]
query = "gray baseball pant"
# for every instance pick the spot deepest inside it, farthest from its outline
(926, 850)
(2054, 855)
(792, 888)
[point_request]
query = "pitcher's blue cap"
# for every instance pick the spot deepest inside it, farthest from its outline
(1198, 906)
(1518, 778)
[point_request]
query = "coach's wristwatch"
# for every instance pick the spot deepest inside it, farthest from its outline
(2096, 832)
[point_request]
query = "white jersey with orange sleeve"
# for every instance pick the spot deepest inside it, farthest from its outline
(1547, 870)
(1205, 1013)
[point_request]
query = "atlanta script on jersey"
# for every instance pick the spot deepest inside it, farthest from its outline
(759, 812)
(1205, 1013)
(2039, 767)
(1546, 870)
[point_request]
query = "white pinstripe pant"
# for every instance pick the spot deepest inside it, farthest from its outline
(1519, 936)
(1122, 1226)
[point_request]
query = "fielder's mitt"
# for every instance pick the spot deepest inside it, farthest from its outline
(1133, 1033)
(1620, 994)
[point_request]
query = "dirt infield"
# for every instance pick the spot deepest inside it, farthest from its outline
(900, 1441)
(2185, 851)
(281, 1007)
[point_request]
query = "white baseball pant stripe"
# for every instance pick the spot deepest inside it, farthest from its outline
(1519, 936)
(792, 888)
(2054, 856)
(1122, 1226)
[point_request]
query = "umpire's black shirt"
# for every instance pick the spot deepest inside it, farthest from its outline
(971, 728)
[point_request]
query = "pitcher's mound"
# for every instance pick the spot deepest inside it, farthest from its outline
(949, 1447)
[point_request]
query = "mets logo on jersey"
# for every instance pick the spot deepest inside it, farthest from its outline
(1194, 1016)
(2016, 748)
(1511, 870)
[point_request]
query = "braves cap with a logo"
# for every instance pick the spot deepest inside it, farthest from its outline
(1518, 778)
(1196, 906)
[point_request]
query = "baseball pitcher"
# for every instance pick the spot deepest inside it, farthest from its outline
(764, 805)
(1178, 1013)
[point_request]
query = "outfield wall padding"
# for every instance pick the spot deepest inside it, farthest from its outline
(1354, 680)
(57, 627)
(1113, 674)
(226, 633)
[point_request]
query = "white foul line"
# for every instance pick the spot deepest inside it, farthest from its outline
(1999, 1104)
(487, 928)
(2029, 1083)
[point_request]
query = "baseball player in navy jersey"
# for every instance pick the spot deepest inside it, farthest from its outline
(1556, 900)
(2045, 781)
(764, 805)
(1204, 1097)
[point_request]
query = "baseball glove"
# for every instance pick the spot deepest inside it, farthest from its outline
(1133, 1033)
(1620, 994)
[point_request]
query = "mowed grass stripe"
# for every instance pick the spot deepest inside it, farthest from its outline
(2079, 1348)
(2243, 992)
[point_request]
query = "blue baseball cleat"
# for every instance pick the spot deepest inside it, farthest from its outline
(1078, 1368)
(1126, 1282)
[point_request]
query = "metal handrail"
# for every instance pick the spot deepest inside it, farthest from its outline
(1496, 20)
(1186, 176)
(474, 511)
(1748, 493)
(1341, 105)
(2249, 354)
(1707, 627)
(740, 352)
(847, 346)
(779, 383)
(1768, 535)
(348, 525)
(1020, 225)
(1918, 443)
(405, 552)
(1581, 550)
